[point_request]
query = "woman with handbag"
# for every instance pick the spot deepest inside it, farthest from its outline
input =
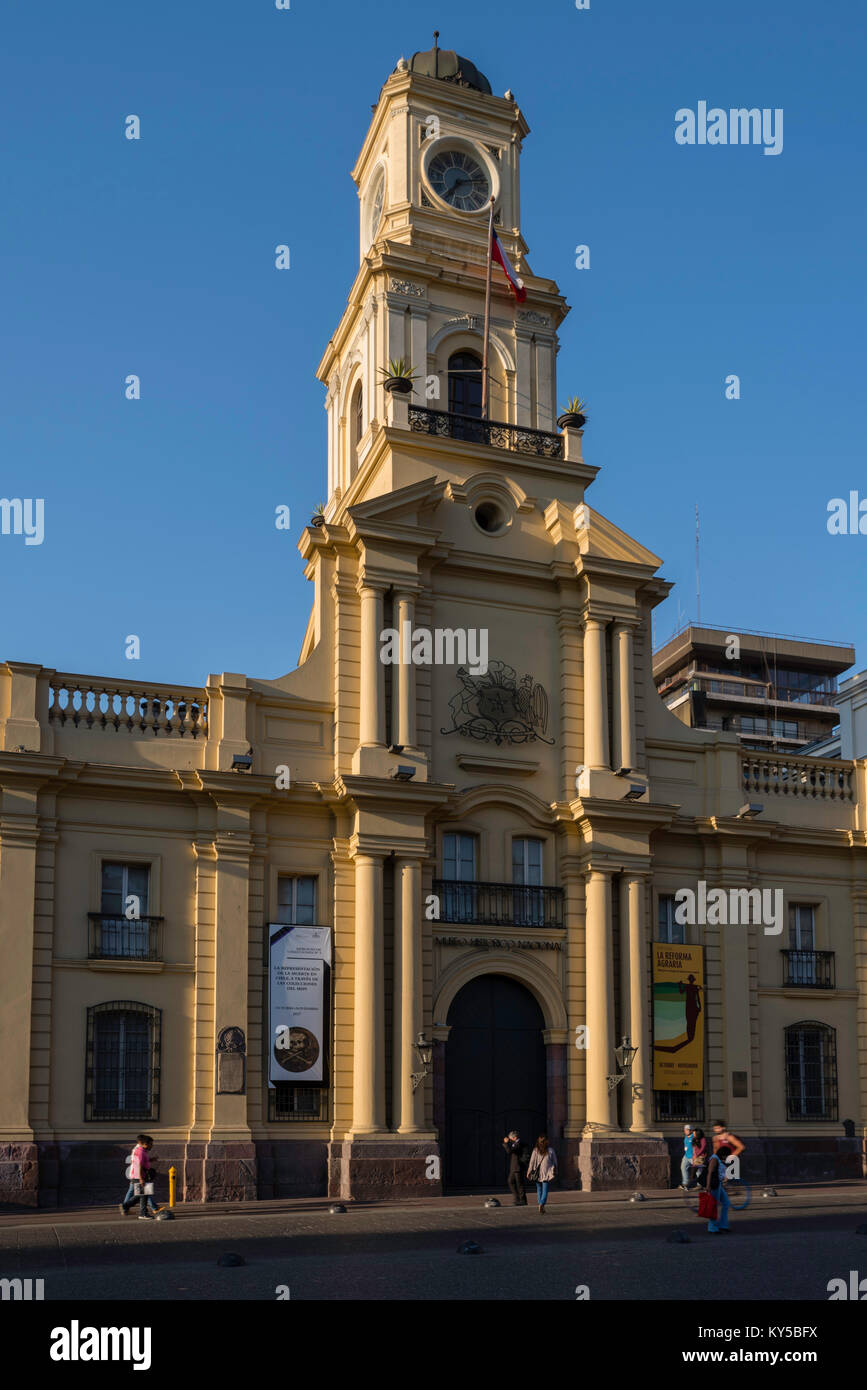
(141, 1180)
(542, 1169)
(700, 1149)
(714, 1202)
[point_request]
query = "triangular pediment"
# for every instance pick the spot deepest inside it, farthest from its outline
(402, 505)
(599, 538)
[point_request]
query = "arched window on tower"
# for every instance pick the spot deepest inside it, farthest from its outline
(465, 388)
(356, 427)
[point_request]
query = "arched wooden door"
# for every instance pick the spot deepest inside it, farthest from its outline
(494, 1078)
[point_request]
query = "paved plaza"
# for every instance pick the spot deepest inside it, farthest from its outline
(783, 1247)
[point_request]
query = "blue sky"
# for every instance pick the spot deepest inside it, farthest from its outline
(156, 257)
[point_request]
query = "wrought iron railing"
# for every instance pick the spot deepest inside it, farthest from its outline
(493, 432)
(124, 938)
(813, 969)
(499, 904)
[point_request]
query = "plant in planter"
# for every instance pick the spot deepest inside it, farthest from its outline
(318, 517)
(398, 376)
(574, 414)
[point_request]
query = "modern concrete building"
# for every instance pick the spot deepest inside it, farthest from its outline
(779, 694)
(490, 833)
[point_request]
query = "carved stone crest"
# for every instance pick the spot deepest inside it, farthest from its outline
(232, 1040)
(498, 708)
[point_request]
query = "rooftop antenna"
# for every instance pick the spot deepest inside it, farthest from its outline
(697, 572)
(436, 53)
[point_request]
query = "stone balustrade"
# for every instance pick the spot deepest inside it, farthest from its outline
(821, 779)
(88, 703)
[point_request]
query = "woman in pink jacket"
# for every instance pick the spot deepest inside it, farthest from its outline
(542, 1169)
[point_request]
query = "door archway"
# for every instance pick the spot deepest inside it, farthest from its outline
(494, 1078)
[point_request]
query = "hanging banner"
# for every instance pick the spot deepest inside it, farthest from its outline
(298, 959)
(678, 1017)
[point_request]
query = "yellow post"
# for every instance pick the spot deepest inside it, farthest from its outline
(173, 1174)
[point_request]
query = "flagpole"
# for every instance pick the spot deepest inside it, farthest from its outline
(487, 314)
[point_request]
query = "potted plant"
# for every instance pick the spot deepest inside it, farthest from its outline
(318, 517)
(574, 414)
(398, 376)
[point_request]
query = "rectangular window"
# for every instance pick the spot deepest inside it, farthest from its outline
(459, 867)
(670, 931)
(529, 910)
(802, 944)
(289, 1102)
(677, 1105)
(459, 857)
(123, 928)
(296, 900)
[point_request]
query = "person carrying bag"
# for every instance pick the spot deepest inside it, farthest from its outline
(542, 1170)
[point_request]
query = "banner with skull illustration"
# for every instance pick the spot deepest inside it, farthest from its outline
(298, 960)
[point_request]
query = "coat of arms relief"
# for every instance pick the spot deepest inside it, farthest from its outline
(498, 708)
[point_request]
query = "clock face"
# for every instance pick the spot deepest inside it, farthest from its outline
(459, 180)
(376, 206)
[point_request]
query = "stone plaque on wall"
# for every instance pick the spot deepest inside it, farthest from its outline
(231, 1062)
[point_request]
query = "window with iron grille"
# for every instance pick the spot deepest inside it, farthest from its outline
(670, 931)
(289, 1102)
(122, 1067)
(811, 1071)
(678, 1105)
(296, 900)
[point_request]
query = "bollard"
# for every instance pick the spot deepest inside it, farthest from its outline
(173, 1174)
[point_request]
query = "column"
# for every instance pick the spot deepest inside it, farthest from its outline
(595, 695)
(372, 712)
(635, 1005)
(624, 697)
(405, 695)
(408, 1105)
(368, 1072)
(601, 1103)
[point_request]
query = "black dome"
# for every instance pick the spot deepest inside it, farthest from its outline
(449, 66)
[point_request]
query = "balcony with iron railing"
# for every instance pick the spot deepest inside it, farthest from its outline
(112, 937)
(496, 433)
(808, 969)
(499, 904)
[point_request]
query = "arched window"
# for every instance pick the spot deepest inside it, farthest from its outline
(122, 1066)
(811, 1071)
(357, 414)
(465, 384)
(355, 427)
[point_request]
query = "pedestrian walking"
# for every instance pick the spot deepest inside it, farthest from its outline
(686, 1160)
(723, 1135)
(139, 1173)
(716, 1177)
(542, 1170)
(518, 1155)
(700, 1155)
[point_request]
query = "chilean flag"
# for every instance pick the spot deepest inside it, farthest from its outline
(499, 254)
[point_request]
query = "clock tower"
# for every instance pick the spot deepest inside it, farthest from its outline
(439, 148)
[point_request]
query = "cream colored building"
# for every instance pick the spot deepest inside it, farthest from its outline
(498, 896)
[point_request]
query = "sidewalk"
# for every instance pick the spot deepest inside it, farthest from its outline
(308, 1206)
